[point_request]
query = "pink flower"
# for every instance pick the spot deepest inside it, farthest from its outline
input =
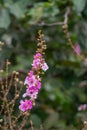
(30, 81)
(37, 61)
(36, 64)
(33, 80)
(38, 85)
(31, 73)
(25, 105)
(82, 107)
(77, 49)
(44, 66)
(38, 55)
(32, 92)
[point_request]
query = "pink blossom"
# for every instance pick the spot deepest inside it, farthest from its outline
(32, 92)
(37, 61)
(82, 107)
(38, 55)
(25, 105)
(36, 64)
(30, 81)
(33, 81)
(77, 49)
(31, 73)
(38, 85)
(44, 66)
(32, 89)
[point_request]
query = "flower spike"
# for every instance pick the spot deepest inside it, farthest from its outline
(33, 80)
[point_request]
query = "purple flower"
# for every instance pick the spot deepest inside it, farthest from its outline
(38, 85)
(36, 64)
(25, 105)
(31, 73)
(77, 49)
(30, 81)
(82, 107)
(37, 61)
(32, 92)
(38, 55)
(33, 80)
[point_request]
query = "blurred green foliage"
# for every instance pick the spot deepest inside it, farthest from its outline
(64, 84)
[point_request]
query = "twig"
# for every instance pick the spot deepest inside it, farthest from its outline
(66, 15)
(10, 75)
(48, 24)
(31, 125)
(41, 24)
(66, 31)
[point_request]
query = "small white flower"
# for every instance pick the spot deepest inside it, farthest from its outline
(24, 95)
(45, 66)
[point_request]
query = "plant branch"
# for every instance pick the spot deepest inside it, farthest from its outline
(55, 23)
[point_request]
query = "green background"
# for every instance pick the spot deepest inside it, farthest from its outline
(64, 84)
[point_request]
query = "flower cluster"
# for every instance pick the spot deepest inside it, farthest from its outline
(82, 107)
(33, 80)
(77, 49)
(38, 63)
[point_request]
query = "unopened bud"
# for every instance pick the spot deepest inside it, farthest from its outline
(1, 71)
(65, 26)
(17, 96)
(1, 43)
(17, 73)
(16, 79)
(8, 62)
(21, 82)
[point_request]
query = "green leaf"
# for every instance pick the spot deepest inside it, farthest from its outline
(45, 10)
(18, 8)
(35, 16)
(4, 18)
(36, 120)
(51, 10)
(24, 3)
(8, 3)
(79, 5)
